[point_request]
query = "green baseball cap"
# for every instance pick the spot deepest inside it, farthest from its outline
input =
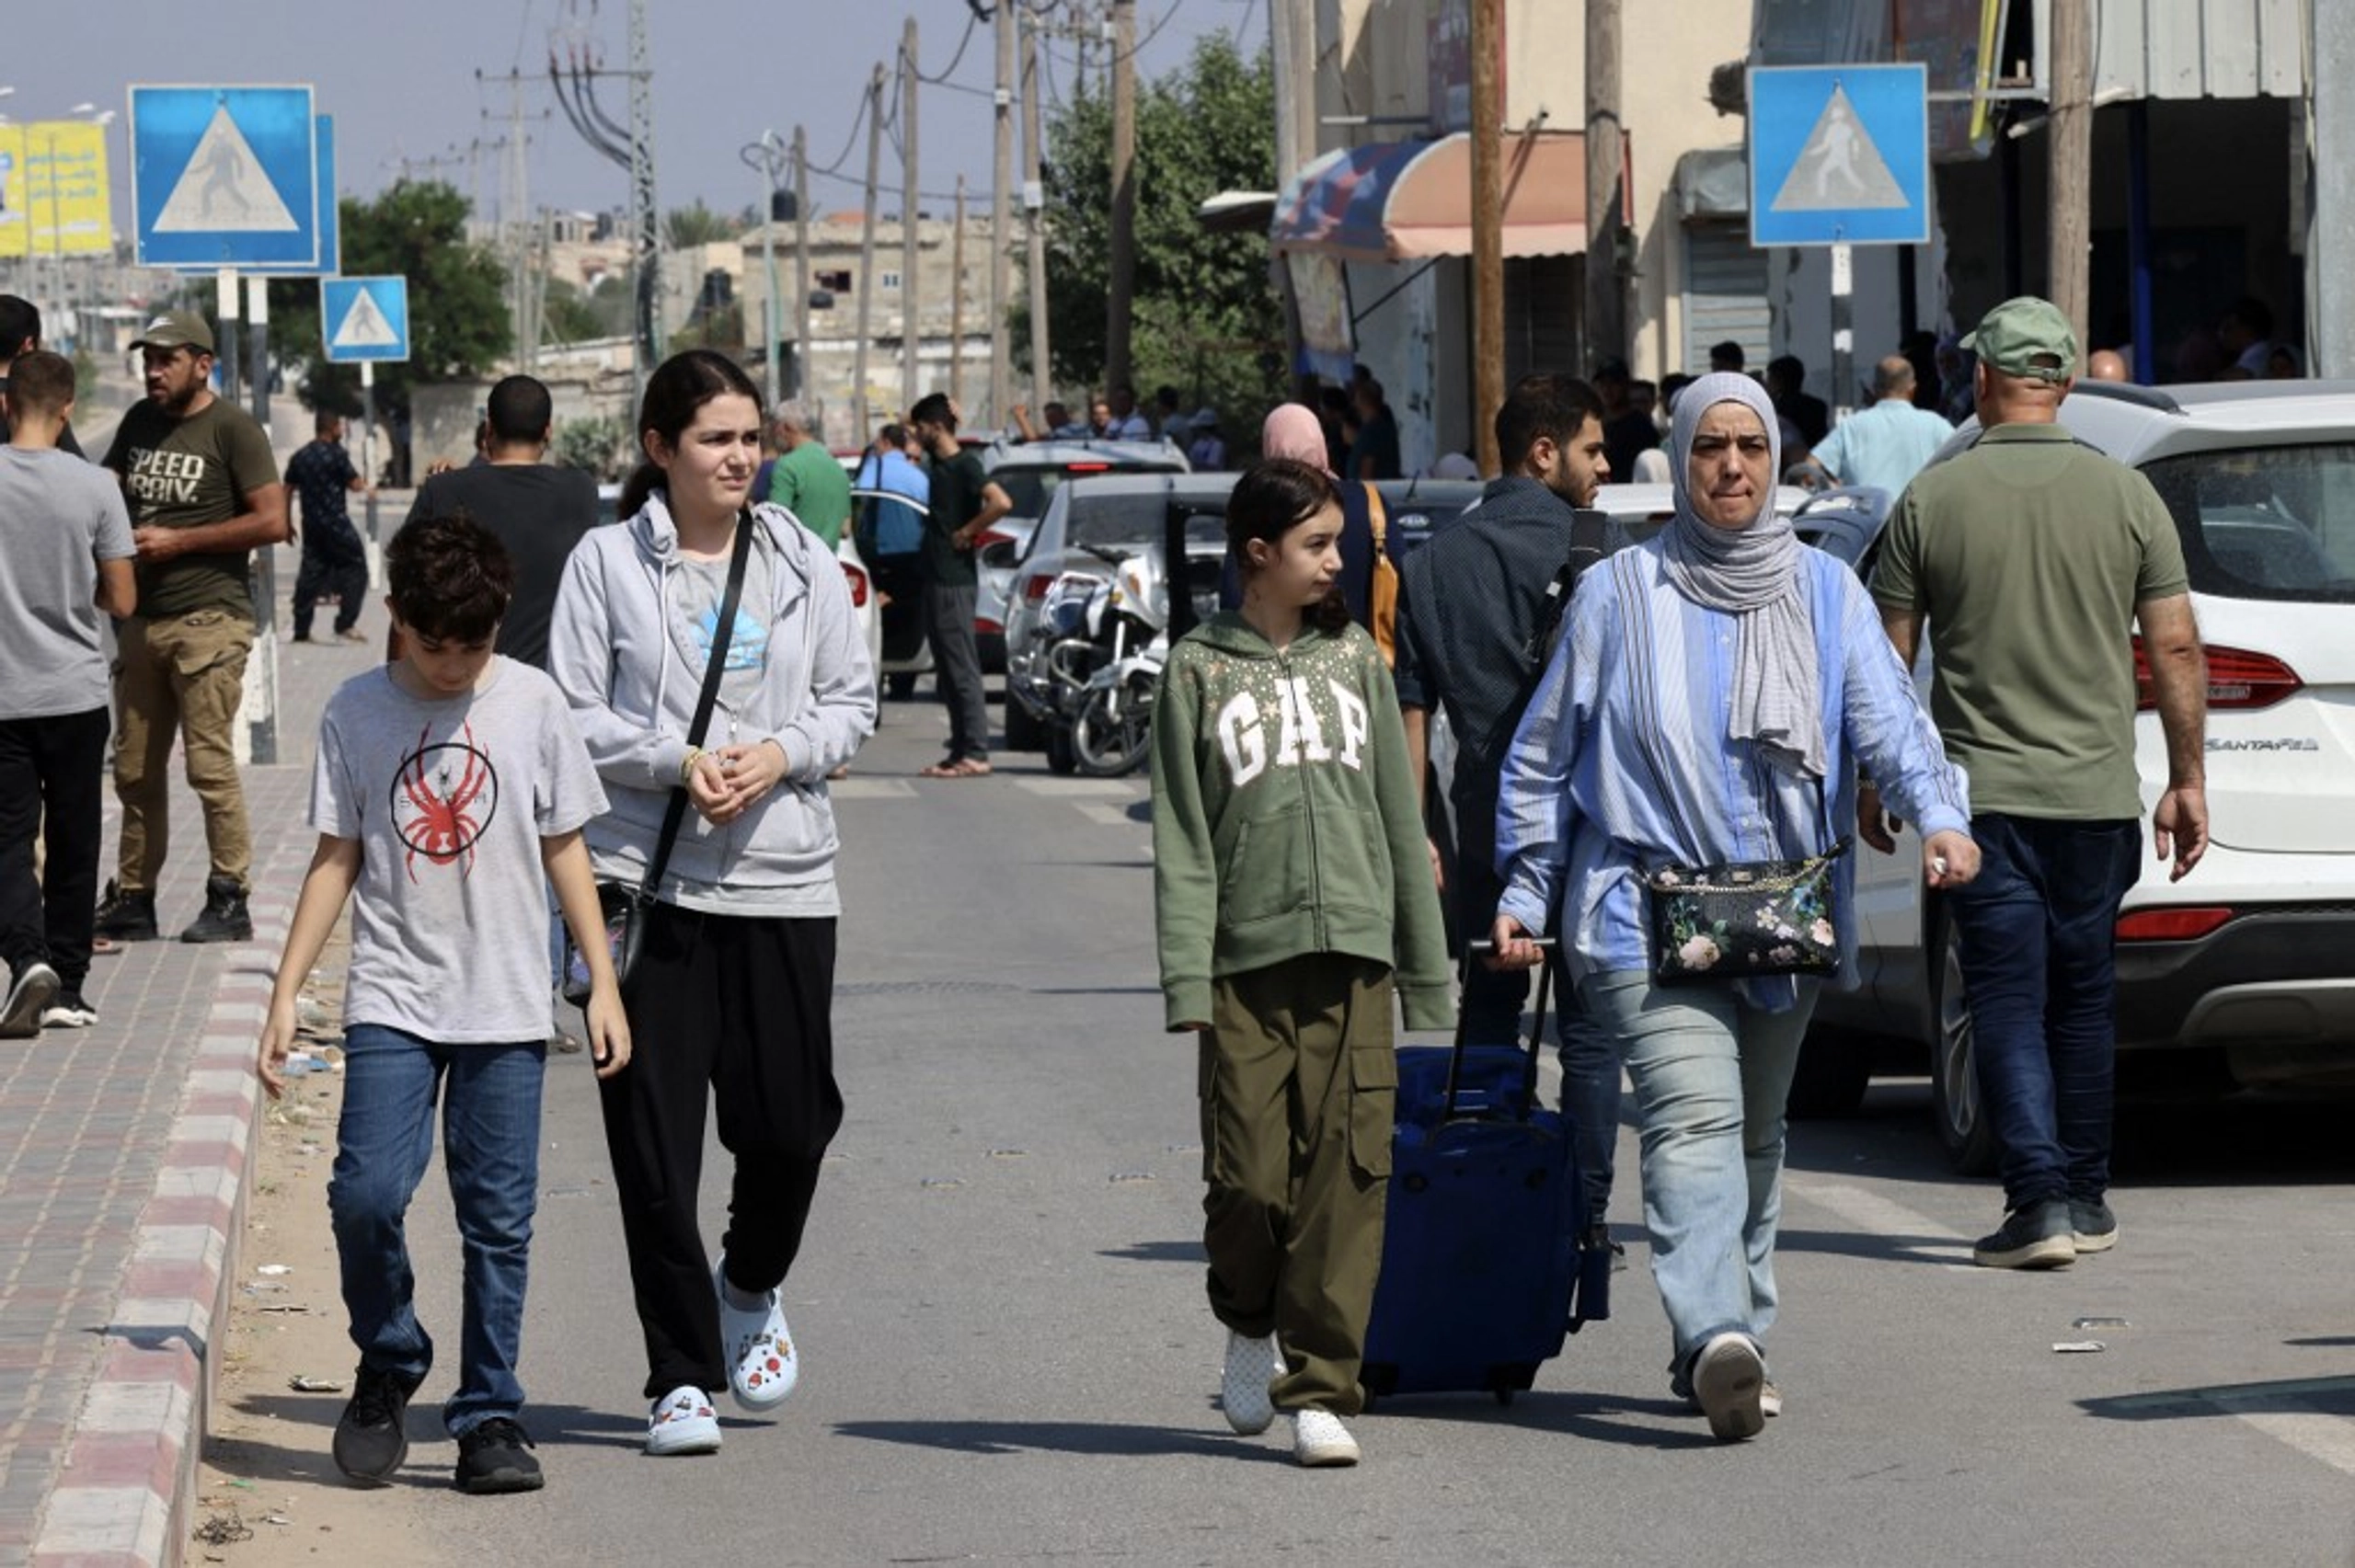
(177, 329)
(2026, 337)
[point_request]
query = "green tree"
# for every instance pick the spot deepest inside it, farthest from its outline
(568, 316)
(1204, 318)
(458, 321)
(685, 227)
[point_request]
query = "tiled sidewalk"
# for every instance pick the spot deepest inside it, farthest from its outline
(122, 1158)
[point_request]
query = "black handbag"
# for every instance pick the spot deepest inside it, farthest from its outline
(1746, 920)
(623, 904)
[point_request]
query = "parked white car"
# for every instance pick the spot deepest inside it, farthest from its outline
(2245, 967)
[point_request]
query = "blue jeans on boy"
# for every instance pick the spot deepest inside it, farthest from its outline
(490, 1142)
(1711, 1074)
(2039, 927)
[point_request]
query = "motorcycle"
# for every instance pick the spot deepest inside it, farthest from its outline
(1110, 638)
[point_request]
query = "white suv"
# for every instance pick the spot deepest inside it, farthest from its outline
(2247, 965)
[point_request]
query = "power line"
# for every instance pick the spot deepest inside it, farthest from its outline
(881, 189)
(972, 21)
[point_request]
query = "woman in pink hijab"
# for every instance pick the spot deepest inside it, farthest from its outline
(1292, 430)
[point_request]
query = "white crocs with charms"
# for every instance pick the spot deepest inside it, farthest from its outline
(762, 1364)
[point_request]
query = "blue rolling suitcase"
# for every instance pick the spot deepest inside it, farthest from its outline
(1482, 1273)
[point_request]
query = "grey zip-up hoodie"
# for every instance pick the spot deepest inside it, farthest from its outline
(632, 675)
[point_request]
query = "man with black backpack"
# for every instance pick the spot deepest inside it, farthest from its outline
(1478, 608)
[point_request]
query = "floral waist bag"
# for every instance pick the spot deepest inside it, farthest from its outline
(1746, 920)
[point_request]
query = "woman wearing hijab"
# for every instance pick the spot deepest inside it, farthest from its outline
(1292, 430)
(1718, 691)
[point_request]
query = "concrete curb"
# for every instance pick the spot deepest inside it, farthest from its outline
(126, 1495)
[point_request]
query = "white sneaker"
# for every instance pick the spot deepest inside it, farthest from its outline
(30, 990)
(762, 1366)
(682, 1424)
(1319, 1439)
(69, 1011)
(1730, 1381)
(1251, 1366)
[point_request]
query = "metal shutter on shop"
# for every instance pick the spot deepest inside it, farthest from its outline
(1725, 293)
(1544, 296)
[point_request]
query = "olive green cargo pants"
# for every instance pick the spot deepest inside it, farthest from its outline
(1299, 1089)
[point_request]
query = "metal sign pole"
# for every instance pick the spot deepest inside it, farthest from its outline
(257, 345)
(368, 439)
(1843, 337)
(224, 295)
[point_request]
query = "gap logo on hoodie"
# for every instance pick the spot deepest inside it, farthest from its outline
(1301, 730)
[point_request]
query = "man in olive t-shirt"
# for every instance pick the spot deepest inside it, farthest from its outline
(2033, 560)
(806, 481)
(204, 493)
(964, 503)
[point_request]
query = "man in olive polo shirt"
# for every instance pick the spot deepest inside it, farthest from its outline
(2033, 558)
(204, 493)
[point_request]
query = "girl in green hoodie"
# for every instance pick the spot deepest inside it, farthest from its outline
(1291, 896)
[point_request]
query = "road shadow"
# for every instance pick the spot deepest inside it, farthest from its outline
(1099, 1439)
(551, 1425)
(1601, 1418)
(1944, 1251)
(1158, 1252)
(1095, 991)
(2295, 1396)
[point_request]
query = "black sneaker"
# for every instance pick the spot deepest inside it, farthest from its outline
(2094, 1229)
(29, 990)
(2037, 1236)
(68, 1009)
(372, 1439)
(126, 917)
(497, 1457)
(224, 918)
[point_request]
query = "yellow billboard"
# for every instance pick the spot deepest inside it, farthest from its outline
(53, 194)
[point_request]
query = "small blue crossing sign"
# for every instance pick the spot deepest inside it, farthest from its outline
(224, 177)
(364, 318)
(1839, 154)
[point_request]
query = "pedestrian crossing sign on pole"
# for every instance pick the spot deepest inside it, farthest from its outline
(224, 177)
(1839, 154)
(364, 319)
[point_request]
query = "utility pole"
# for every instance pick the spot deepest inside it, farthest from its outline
(1034, 203)
(2330, 314)
(2071, 149)
(1117, 369)
(1606, 315)
(957, 307)
(641, 186)
(767, 156)
(1488, 235)
(801, 264)
(911, 319)
(1292, 40)
(867, 251)
(1001, 217)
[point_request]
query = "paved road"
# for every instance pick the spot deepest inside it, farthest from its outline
(1007, 1359)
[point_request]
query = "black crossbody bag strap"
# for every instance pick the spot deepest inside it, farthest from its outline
(1589, 543)
(675, 815)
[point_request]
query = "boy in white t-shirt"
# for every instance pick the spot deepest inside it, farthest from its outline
(449, 784)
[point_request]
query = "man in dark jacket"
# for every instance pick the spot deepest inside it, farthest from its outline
(1469, 603)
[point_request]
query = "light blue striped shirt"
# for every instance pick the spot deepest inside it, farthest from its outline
(1623, 763)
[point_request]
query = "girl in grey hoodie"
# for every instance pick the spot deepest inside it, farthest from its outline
(732, 990)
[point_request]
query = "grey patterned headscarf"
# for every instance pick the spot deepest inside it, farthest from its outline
(1753, 573)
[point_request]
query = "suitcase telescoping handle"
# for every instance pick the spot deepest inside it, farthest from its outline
(1473, 952)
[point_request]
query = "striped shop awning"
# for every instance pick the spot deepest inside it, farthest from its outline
(1410, 201)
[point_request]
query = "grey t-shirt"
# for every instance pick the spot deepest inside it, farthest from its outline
(59, 517)
(450, 799)
(697, 588)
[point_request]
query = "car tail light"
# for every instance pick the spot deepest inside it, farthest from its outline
(2185, 923)
(990, 536)
(1035, 586)
(983, 623)
(2236, 679)
(1088, 468)
(857, 580)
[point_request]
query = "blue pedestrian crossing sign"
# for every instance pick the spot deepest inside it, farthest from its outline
(1839, 154)
(224, 177)
(330, 259)
(364, 318)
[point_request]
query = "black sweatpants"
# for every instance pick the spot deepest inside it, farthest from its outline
(337, 563)
(53, 776)
(736, 1008)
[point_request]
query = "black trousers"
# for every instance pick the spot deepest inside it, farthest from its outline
(733, 1009)
(53, 776)
(339, 564)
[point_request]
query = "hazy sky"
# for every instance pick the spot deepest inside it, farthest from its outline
(427, 80)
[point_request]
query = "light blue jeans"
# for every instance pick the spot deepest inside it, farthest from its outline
(1711, 1074)
(490, 1146)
